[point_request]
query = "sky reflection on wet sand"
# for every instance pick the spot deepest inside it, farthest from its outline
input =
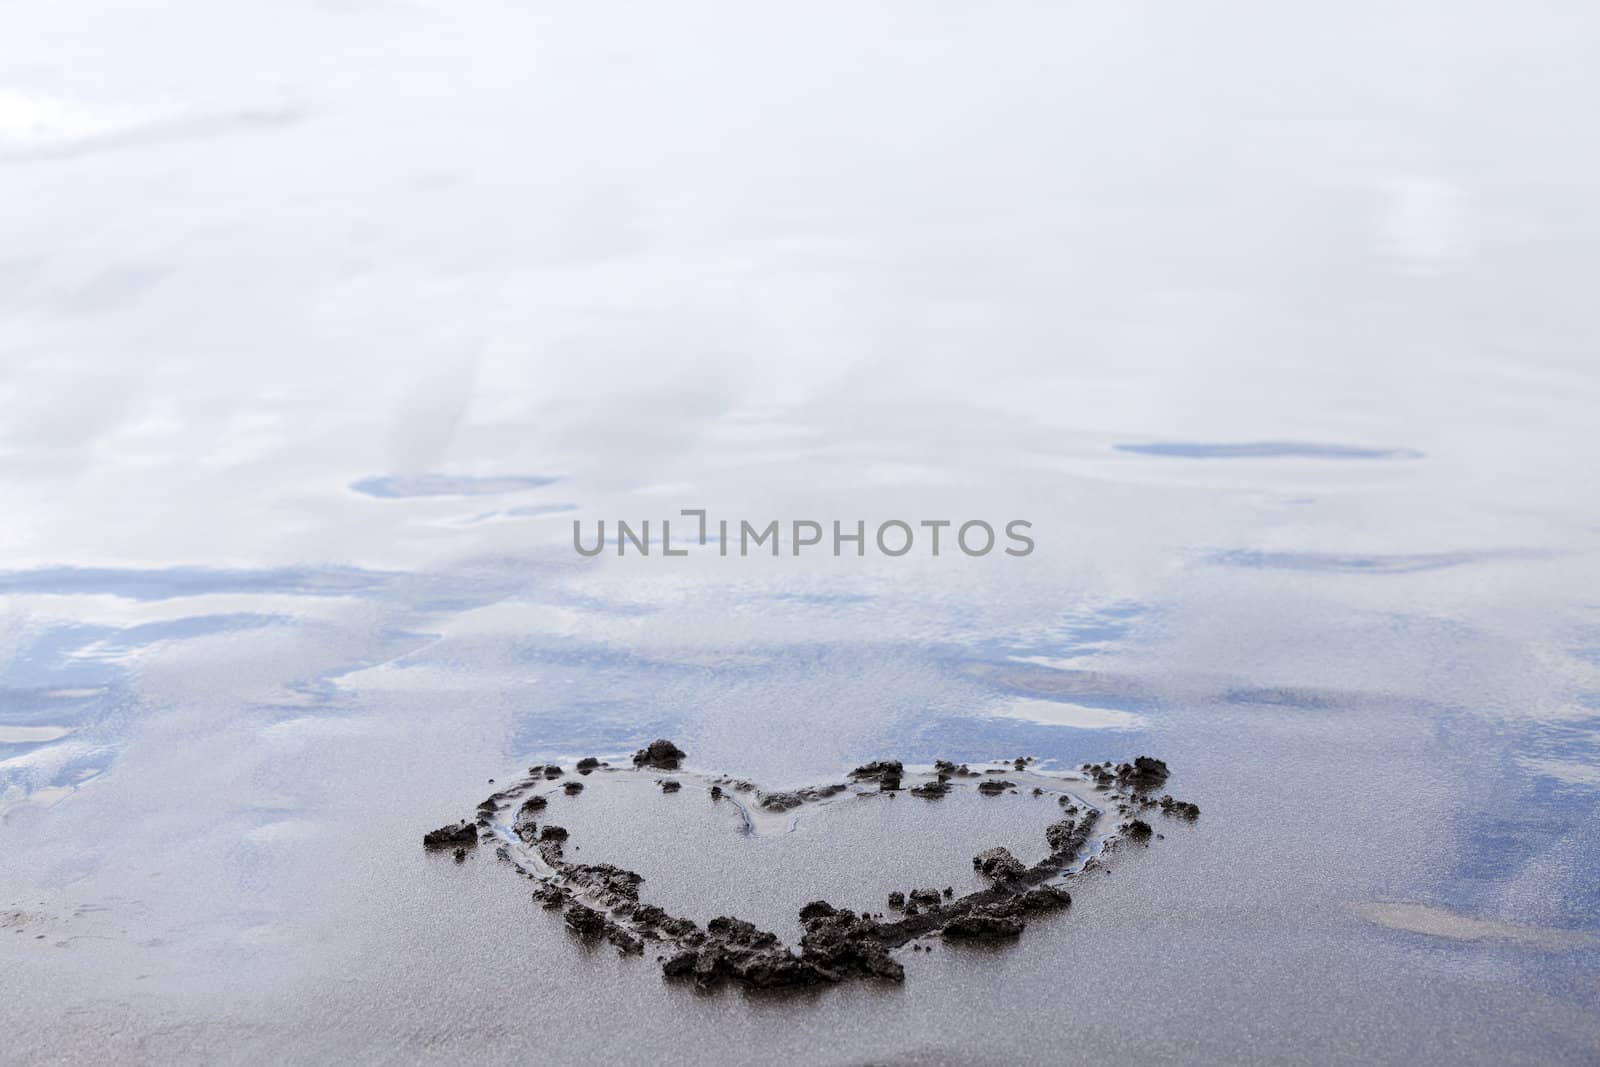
(318, 334)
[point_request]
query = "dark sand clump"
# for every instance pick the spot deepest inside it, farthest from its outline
(461, 834)
(997, 863)
(1180, 809)
(661, 754)
(1144, 774)
(786, 801)
(886, 773)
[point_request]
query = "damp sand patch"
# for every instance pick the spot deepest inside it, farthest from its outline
(719, 879)
(1438, 922)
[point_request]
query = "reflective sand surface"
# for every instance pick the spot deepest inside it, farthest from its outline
(319, 328)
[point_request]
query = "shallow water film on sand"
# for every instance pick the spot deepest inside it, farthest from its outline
(321, 325)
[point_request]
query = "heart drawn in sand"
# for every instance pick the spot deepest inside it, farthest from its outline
(1098, 807)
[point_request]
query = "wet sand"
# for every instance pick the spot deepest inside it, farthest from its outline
(320, 327)
(376, 944)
